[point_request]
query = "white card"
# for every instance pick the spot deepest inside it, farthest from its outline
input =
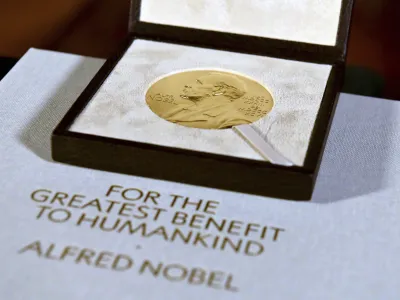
(342, 245)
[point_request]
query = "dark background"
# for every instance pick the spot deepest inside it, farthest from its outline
(96, 28)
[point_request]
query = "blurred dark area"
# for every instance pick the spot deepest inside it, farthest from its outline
(96, 28)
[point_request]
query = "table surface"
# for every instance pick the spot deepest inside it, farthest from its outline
(344, 244)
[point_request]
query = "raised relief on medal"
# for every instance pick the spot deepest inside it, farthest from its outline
(209, 99)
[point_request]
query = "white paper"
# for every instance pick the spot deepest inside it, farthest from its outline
(342, 245)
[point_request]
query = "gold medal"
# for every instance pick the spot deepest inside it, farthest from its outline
(209, 99)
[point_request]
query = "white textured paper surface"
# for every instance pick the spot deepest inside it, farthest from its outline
(310, 21)
(119, 109)
(343, 245)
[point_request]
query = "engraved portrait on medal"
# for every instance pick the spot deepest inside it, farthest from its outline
(209, 99)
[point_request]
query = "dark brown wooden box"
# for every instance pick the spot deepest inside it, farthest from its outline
(211, 170)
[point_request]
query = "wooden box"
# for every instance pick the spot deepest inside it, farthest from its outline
(296, 48)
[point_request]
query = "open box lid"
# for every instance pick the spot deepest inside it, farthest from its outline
(309, 30)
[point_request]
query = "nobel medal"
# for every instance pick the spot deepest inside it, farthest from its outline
(209, 99)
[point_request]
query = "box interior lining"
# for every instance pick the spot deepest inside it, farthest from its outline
(118, 109)
(308, 21)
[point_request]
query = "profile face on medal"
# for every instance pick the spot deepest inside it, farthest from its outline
(213, 85)
(209, 99)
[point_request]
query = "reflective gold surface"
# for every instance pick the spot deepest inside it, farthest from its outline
(209, 99)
